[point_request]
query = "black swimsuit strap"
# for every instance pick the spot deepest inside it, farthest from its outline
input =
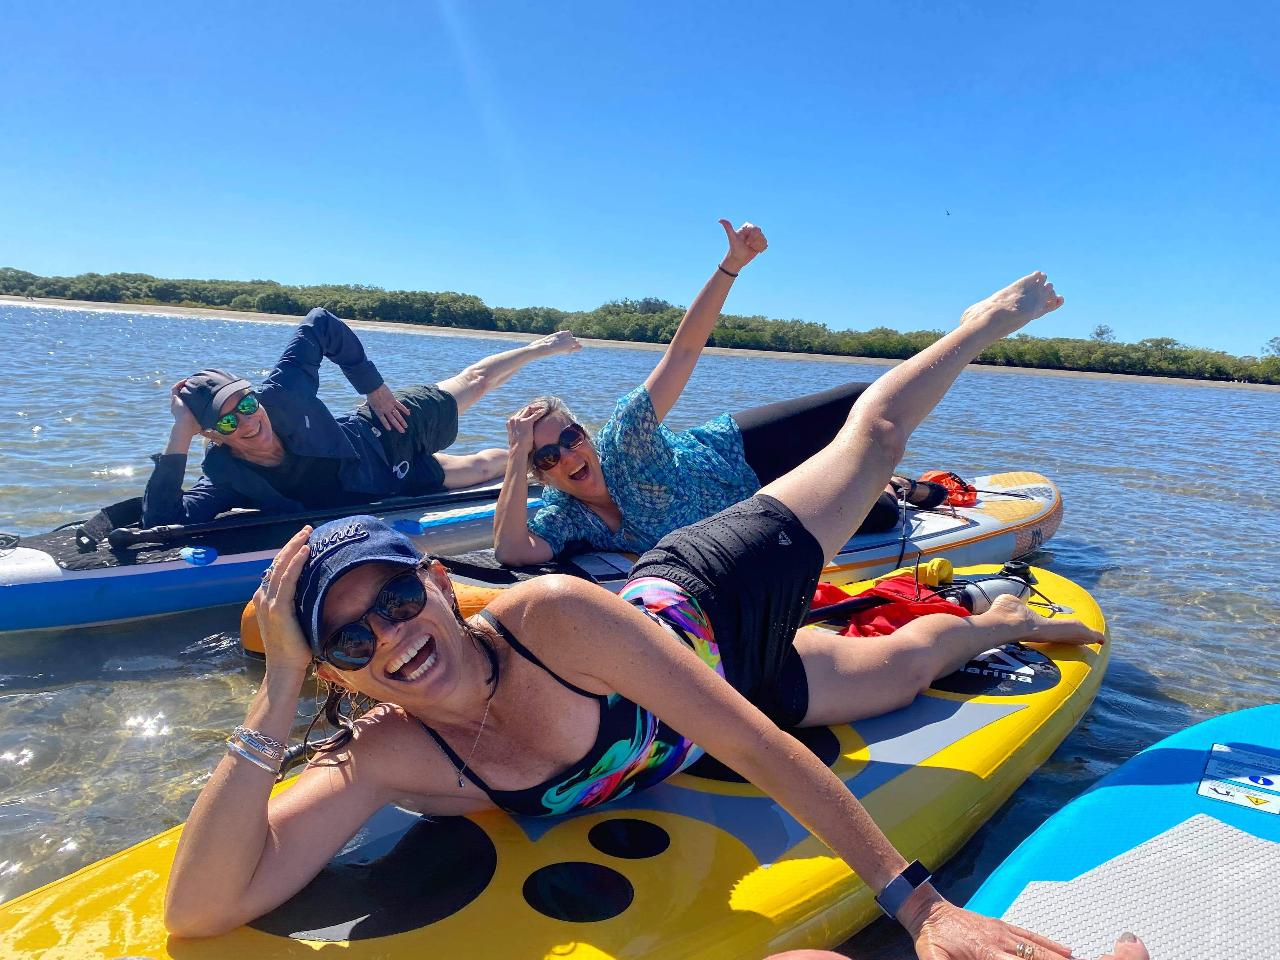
(454, 758)
(529, 655)
(525, 652)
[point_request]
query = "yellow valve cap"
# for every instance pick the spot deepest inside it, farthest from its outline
(932, 574)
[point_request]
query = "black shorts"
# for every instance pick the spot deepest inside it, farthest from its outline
(432, 426)
(753, 569)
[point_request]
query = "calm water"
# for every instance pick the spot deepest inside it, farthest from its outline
(106, 735)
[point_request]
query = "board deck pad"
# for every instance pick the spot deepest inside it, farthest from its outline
(1201, 889)
(1179, 845)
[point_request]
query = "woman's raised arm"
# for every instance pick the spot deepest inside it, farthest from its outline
(231, 864)
(514, 544)
(244, 852)
(669, 377)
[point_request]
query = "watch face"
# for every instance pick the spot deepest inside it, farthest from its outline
(893, 896)
(916, 873)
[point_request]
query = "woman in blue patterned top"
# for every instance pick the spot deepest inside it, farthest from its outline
(638, 480)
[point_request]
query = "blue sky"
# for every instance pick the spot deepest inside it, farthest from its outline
(568, 154)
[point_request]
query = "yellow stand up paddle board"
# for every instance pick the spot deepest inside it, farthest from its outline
(703, 866)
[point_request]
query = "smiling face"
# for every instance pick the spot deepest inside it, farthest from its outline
(424, 659)
(578, 473)
(253, 435)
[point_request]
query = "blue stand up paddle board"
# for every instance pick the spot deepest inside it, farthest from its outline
(1180, 845)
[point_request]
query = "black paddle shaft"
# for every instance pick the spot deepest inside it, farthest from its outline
(852, 605)
(122, 537)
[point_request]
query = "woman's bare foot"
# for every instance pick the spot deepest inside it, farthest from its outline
(1015, 306)
(1030, 627)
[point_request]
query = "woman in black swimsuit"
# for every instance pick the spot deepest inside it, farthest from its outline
(520, 707)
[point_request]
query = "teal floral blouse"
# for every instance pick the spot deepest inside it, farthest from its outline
(661, 480)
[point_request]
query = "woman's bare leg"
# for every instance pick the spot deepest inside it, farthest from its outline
(855, 677)
(833, 490)
(468, 469)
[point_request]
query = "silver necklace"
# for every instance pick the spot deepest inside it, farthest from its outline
(475, 743)
(479, 733)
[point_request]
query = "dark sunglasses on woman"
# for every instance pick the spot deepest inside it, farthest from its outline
(401, 598)
(230, 422)
(547, 456)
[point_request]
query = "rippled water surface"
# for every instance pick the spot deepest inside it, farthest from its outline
(106, 735)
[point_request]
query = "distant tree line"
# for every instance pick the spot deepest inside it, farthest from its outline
(647, 320)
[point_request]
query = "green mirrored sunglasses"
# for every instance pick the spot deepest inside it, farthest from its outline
(228, 423)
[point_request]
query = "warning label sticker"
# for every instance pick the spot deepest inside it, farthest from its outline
(1246, 778)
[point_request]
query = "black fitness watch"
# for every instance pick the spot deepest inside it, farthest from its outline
(896, 892)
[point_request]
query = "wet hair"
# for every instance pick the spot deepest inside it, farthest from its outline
(545, 407)
(342, 709)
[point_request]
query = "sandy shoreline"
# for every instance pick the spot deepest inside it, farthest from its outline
(419, 330)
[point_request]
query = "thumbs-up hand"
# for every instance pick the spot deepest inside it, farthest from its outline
(744, 244)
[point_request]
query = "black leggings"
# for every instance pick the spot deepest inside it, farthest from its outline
(778, 437)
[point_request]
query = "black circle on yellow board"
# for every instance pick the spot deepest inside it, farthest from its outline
(821, 741)
(629, 838)
(578, 892)
(435, 869)
(1010, 670)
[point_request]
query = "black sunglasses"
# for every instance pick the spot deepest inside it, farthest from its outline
(547, 456)
(351, 647)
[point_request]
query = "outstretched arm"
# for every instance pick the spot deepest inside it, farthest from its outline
(228, 868)
(669, 377)
(1128, 947)
(597, 641)
(482, 376)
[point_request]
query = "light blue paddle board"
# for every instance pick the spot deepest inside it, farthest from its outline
(1184, 838)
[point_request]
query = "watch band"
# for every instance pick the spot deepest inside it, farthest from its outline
(897, 890)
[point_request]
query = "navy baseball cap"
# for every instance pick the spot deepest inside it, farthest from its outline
(205, 392)
(338, 547)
